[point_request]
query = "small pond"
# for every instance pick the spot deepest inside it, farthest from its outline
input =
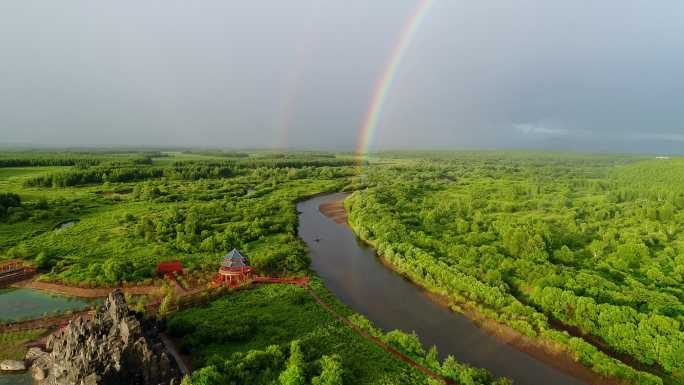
(16, 304)
(63, 226)
(16, 379)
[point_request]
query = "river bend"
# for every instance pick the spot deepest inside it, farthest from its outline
(351, 270)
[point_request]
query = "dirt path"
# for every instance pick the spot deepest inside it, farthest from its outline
(180, 290)
(381, 344)
(181, 360)
(83, 292)
(46, 323)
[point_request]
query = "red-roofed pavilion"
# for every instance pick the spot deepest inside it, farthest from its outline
(234, 269)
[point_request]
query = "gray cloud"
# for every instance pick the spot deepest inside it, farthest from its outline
(301, 73)
(539, 129)
(658, 136)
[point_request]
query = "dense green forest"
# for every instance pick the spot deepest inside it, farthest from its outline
(589, 244)
(584, 252)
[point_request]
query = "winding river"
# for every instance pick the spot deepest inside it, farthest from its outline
(351, 270)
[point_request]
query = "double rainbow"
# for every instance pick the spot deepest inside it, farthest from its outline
(384, 83)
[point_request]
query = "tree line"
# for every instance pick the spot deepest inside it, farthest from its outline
(7, 201)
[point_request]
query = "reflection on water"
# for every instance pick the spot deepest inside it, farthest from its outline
(64, 226)
(354, 274)
(29, 303)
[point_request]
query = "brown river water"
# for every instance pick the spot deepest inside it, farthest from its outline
(352, 271)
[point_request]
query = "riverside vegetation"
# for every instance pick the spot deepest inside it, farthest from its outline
(581, 251)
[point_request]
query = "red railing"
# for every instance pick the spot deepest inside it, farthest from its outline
(10, 266)
(301, 281)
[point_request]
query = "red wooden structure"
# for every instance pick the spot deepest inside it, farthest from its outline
(11, 265)
(14, 271)
(234, 269)
(301, 281)
(170, 267)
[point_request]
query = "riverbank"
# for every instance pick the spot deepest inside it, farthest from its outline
(335, 211)
(546, 351)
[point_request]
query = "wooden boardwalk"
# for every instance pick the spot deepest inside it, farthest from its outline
(9, 277)
(301, 281)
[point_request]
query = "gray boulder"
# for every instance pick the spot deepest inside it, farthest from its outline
(12, 366)
(113, 347)
(38, 373)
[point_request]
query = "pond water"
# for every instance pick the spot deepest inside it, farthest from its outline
(23, 303)
(351, 270)
(64, 226)
(16, 379)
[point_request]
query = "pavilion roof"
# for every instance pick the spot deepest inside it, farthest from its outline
(234, 259)
(234, 254)
(234, 263)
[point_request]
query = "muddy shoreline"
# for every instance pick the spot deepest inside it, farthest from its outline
(335, 211)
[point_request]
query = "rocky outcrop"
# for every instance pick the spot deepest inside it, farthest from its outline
(113, 347)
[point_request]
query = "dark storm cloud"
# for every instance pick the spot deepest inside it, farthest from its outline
(577, 74)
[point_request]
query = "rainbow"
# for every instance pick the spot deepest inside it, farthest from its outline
(384, 83)
(288, 108)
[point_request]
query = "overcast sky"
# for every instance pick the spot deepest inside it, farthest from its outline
(589, 75)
